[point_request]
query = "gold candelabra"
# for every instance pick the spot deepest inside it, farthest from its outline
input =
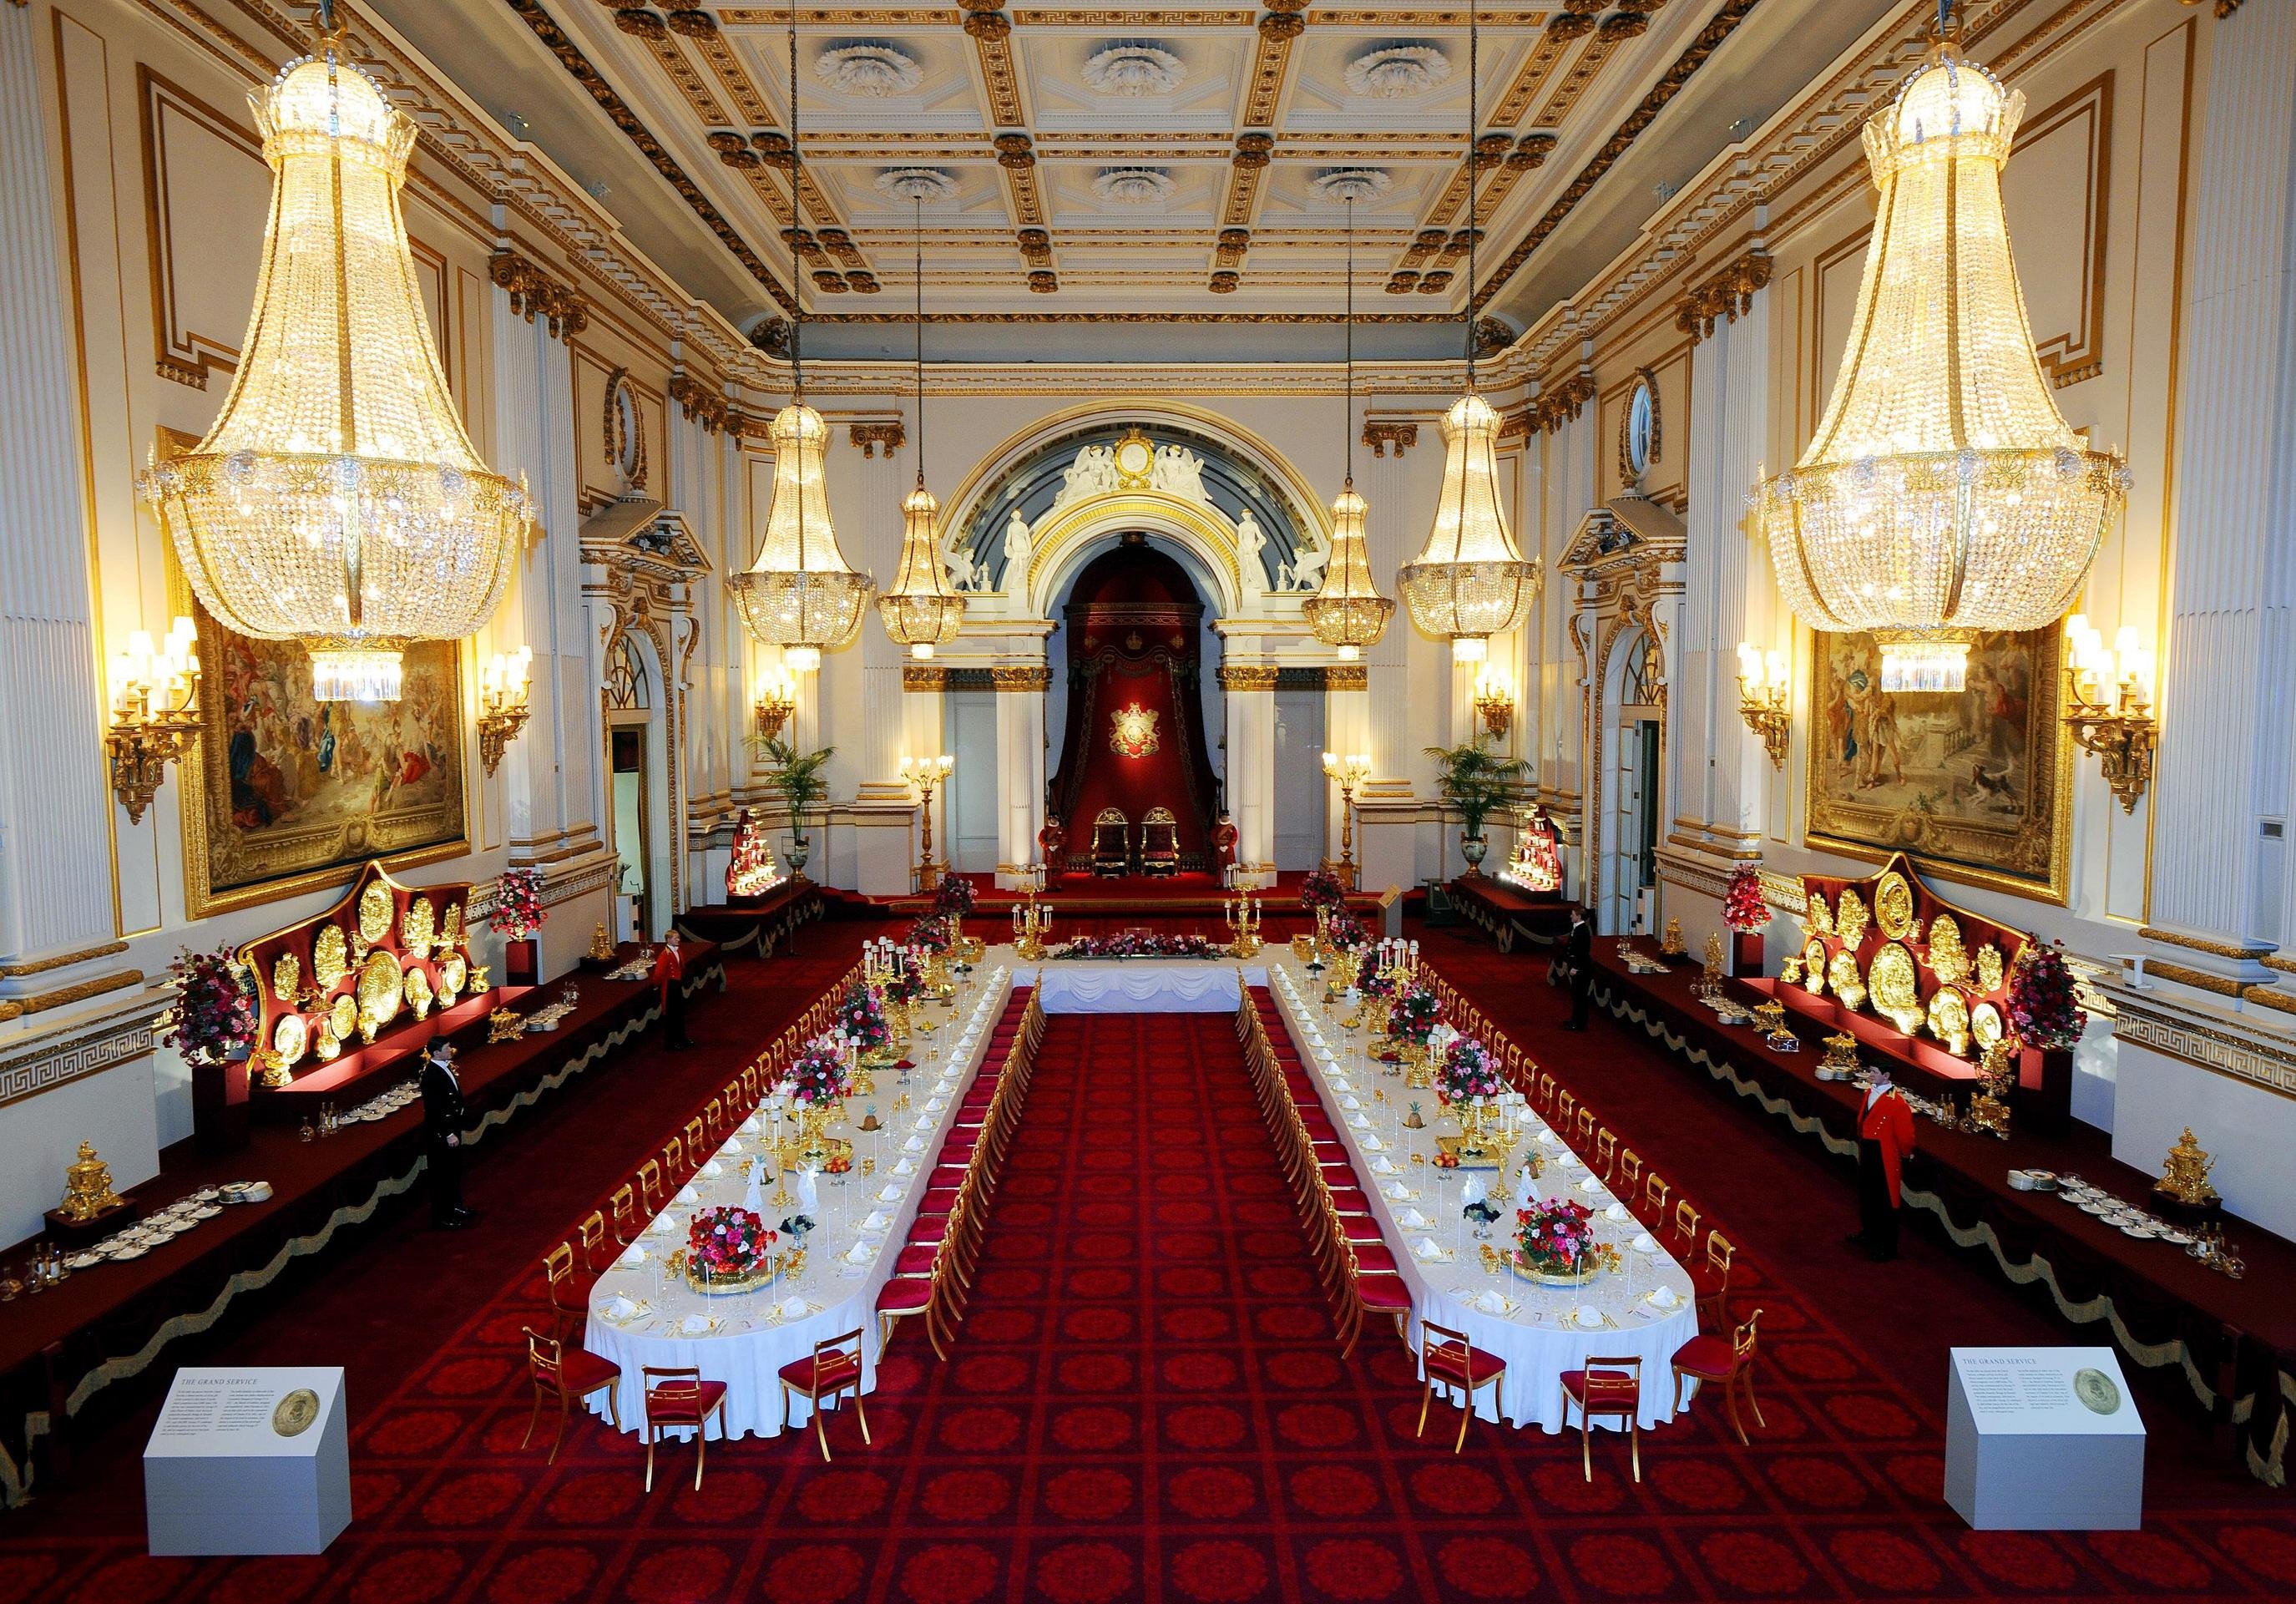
(155, 712)
(2185, 1175)
(1764, 691)
(776, 700)
(1244, 923)
(1032, 921)
(1347, 772)
(1494, 701)
(926, 774)
(502, 686)
(2109, 705)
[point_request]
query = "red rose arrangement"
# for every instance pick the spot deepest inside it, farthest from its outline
(905, 980)
(1467, 1074)
(213, 1012)
(1414, 1015)
(725, 1242)
(1321, 890)
(1347, 931)
(1554, 1235)
(862, 1017)
(1743, 907)
(2044, 1007)
(955, 897)
(1138, 943)
(518, 903)
(818, 1075)
(931, 934)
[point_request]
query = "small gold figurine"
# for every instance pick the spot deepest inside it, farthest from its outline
(602, 945)
(1988, 1109)
(1841, 1053)
(1671, 943)
(2185, 1177)
(87, 1187)
(505, 1024)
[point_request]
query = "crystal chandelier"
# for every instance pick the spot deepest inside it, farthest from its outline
(920, 612)
(1943, 493)
(800, 595)
(1347, 611)
(1469, 580)
(336, 499)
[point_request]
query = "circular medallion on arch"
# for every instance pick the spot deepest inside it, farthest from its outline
(925, 184)
(876, 71)
(1133, 185)
(1134, 70)
(1341, 184)
(1395, 71)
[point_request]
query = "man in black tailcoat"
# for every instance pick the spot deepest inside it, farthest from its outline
(444, 1116)
(1578, 960)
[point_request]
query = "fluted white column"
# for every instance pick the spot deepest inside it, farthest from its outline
(1021, 766)
(55, 886)
(2230, 658)
(1251, 693)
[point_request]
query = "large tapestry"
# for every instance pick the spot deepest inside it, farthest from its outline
(1971, 782)
(292, 791)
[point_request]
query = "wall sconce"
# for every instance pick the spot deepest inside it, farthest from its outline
(1495, 702)
(1348, 773)
(776, 700)
(502, 704)
(2110, 692)
(926, 775)
(1765, 687)
(155, 712)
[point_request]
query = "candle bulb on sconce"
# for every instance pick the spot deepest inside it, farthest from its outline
(1765, 692)
(2108, 698)
(776, 700)
(1494, 701)
(503, 688)
(155, 693)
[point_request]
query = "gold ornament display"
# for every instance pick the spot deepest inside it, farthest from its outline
(329, 962)
(286, 975)
(1851, 920)
(417, 992)
(1819, 917)
(2185, 1177)
(1948, 958)
(1894, 984)
(374, 912)
(419, 928)
(87, 1187)
(505, 1024)
(1893, 906)
(289, 1038)
(450, 926)
(1841, 1053)
(1988, 1109)
(1990, 968)
(379, 993)
(344, 1015)
(326, 1045)
(602, 945)
(1848, 985)
(453, 975)
(1671, 943)
(1948, 1019)
(1813, 959)
(1985, 1025)
(477, 978)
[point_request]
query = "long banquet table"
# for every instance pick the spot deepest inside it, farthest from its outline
(1534, 1327)
(744, 1338)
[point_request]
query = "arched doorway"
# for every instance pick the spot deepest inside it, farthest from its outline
(637, 782)
(1630, 846)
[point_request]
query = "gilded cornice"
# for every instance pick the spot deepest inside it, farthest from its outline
(1559, 404)
(1380, 436)
(2233, 1046)
(1248, 675)
(1020, 676)
(1725, 297)
(2237, 951)
(534, 294)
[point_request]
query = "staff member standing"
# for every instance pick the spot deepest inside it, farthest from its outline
(1885, 1140)
(444, 1116)
(668, 971)
(1578, 964)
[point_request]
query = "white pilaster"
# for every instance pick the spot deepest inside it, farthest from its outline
(1252, 762)
(1020, 767)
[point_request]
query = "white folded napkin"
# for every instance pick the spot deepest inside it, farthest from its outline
(686, 1194)
(1371, 1144)
(925, 1122)
(878, 1220)
(1384, 1166)
(891, 1194)
(1341, 1083)
(907, 1166)
(732, 1150)
(1646, 1243)
(1349, 1102)
(713, 1169)
(750, 1125)
(661, 1227)
(1360, 1121)
(1426, 1248)
(1665, 1297)
(935, 1105)
(860, 1253)
(1548, 1139)
(1572, 1161)
(1589, 1316)
(1593, 1183)
(694, 1325)
(1491, 1302)
(915, 1144)
(620, 1308)
(632, 1256)
(1411, 1219)
(1616, 1213)
(1326, 1054)
(793, 1308)
(1396, 1191)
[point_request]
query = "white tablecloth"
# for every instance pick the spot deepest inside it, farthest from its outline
(754, 1335)
(1138, 985)
(1537, 1336)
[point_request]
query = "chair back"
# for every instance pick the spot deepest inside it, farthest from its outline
(1686, 1222)
(1742, 1339)
(1585, 1128)
(1566, 1109)
(1629, 1366)
(830, 1350)
(1606, 1152)
(650, 1193)
(1546, 1095)
(593, 1237)
(715, 1115)
(1628, 1179)
(673, 1159)
(544, 1356)
(558, 1269)
(1444, 1338)
(697, 1137)
(625, 1205)
(1655, 1192)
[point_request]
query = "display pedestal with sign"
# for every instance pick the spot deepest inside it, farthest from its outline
(249, 1461)
(2042, 1439)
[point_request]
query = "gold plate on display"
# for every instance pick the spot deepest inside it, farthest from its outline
(1893, 906)
(328, 964)
(379, 988)
(1990, 968)
(1813, 959)
(374, 912)
(418, 929)
(286, 974)
(1896, 986)
(453, 971)
(1850, 922)
(289, 1038)
(325, 1043)
(343, 1015)
(1984, 1024)
(417, 991)
(1949, 1019)
(1948, 958)
(1847, 983)
(1820, 918)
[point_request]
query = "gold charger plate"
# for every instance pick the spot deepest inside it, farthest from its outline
(374, 912)
(1893, 906)
(1949, 1018)
(342, 1016)
(1813, 959)
(329, 957)
(286, 976)
(1985, 1026)
(379, 988)
(1896, 985)
(1948, 958)
(1990, 968)
(416, 990)
(289, 1039)
(454, 973)
(1848, 985)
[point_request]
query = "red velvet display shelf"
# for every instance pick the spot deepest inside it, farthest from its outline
(1506, 912)
(2239, 1336)
(364, 1072)
(761, 922)
(50, 1343)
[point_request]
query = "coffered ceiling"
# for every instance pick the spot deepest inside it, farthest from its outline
(1189, 164)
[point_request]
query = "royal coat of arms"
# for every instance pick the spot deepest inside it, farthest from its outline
(1134, 736)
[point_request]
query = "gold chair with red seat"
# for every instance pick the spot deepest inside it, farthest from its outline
(1711, 1278)
(1726, 1363)
(675, 1396)
(567, 1378)
(1610, 1387)
(1450, 1360)
(1371, 1293)
(567, 1298)
(832, 1370)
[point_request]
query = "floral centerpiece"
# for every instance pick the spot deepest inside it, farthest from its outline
(518, 911)
(955, 897)
(1554, 1241)
(1412, 1016)
(818, 1076)
(213, 1012)
(725, 1248)
(905, 975)
(861, 1017)
(1347, 931)
(1743, 906)
(1138, 943)
(1467, 1074)
(2044, 1007)
(932, 935)
(1322, 892)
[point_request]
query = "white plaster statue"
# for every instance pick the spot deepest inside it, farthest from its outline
(1092, 473)
(1305, 572)
(1249, 540)
(1178, 472)
(1016, 553)
(963, 574)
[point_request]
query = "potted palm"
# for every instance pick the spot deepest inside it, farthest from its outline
(1475, 781)
(799, 780)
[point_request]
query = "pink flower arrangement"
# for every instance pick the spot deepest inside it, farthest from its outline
(1414, 1015)
(1138, 943)
(1743, 906)
(1347, 931)
(955, 897)
(818, 1076)
(1554, 1236)
(1322, 889)
(1467, 1074)
(905, 981)
(518, 903)
(862, 1017)
(725, 1242)
(214, 1014)
(2044, 1005)
(931, 934)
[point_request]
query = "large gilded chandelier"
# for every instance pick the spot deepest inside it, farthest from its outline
(920, 612)
(1347, 611)
(336, 499)
(1469, 580)
(1943, 493)
(800, 595)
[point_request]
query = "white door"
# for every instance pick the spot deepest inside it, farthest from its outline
(1299, 779)
(970, 719)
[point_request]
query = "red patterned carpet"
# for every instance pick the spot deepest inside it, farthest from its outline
(1146, 1403)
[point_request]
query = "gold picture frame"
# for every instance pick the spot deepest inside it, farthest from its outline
(1975, 785)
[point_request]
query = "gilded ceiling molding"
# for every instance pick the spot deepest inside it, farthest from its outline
(534, 294)
(991, 33)
(1725, 297)
(1246, 167)
(1279, 31)
(1020, 676)
(702, 404)
(1248, 675)
(1347, 677)
(1539, 66)
(1380, 436)
(924, 677)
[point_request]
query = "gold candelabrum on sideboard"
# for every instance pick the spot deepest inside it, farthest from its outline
(1032, 921)
(1244, 923)
(1765, 692)
(2185, 1176)
(926, 774)
(1997, 1074)
(2109, 705)
(155, 712)
(1347, 772)
(87, 1187)
(503, 703)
